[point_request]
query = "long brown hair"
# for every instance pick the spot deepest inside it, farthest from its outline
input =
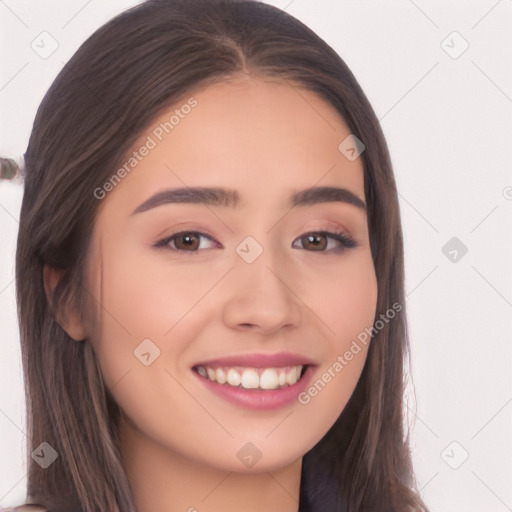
(139, 63)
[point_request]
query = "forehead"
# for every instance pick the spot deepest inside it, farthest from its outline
(255, 135)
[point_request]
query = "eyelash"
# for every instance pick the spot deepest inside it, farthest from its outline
(346, 241)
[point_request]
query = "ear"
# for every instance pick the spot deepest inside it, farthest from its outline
(66, 317)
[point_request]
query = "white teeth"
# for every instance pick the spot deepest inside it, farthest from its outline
(269, 379)
(291, 376)
(220, 376)
(253, 378)
(233, 378)
(250, 379)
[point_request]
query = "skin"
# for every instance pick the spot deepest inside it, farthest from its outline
(266, 139)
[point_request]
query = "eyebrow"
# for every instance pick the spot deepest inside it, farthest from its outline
(231, 198)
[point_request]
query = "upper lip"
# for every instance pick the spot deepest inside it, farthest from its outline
(260, 360)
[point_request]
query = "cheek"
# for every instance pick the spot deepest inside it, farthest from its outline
(145, 304)
(136, 357)
(344, 297)
(347, 302)
(147, 297)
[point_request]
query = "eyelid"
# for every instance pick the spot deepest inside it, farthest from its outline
(333, 227)
(329, 226)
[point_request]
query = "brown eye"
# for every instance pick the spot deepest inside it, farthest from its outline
(314, 241)
(186, 242)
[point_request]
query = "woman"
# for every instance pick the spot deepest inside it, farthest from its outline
(210, 274)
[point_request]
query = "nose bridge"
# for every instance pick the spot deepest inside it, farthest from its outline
(261, 294)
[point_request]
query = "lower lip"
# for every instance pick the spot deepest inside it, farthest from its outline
(259, 399)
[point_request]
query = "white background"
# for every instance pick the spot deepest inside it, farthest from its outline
(448, 123)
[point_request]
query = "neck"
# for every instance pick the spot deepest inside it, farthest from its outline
(161, 479)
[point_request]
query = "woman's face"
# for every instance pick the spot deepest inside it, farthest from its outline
(248, 291)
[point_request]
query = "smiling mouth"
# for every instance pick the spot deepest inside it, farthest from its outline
(253, 378)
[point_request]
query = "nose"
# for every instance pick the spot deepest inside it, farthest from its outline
(262, 297)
